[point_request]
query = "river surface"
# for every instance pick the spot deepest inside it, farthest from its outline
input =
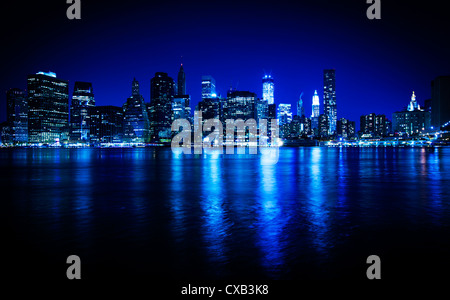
(147, 212)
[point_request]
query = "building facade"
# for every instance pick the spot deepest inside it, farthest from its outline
(440, 101)
(329, 99)
(48, 108)
(82, 101)
(106, 124)
(162, 94)
(135, 119)
(17, 115)
(268, 89)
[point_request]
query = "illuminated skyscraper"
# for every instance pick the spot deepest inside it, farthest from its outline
(162, 92)
(300, 108)
(208, 87)
(268, 89)
(329, 99)
(48, 108)
(315, 111)
(284, 114)
(135, 120)
(82, 100)
(17, 115)
(181, 88)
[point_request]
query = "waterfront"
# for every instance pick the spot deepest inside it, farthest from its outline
(317, 213)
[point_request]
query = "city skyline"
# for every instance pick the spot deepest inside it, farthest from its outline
(378, 63)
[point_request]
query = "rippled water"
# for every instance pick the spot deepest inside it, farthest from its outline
(317, 213)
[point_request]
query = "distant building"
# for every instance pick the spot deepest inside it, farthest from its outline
(410, 121)
(82, 101)
(323, 126)
(181, 87)
(180, 107)
(268, 89)
(208, 87)
(440, 101)
(300, 106)
(106, 124)
(162, 94)
(315, 112)
(210, 108)
(284, 114)
(241, 105)
(345, 128)
(329, 99)
(262, 109)
(17, 115)
(135, 119)
(48, 108)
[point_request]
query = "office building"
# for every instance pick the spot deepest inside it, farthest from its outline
(135, 119)
(284, 114)
(440, 101)
(268, 89)
(329, 99)
(162, 94)
(48, 108)
(17, 115)
(82, 101)
(411, 122)
(315, 112)
(106, 124)
(208, 87)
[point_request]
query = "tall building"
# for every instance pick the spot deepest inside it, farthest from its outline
(440, 101)
(367, 123)
(106, 124)
(315, 111)
(300, 107)
(323, 125)
(329, 99)
(268, 89)
(17, 115)
(162, 93)
(181, 87)
(48, 107)
(135, 119)
(180, 107)
(208, 87)
(262, 109)
(411, 122)
(82, 101)
(241, 105)
(284, 114)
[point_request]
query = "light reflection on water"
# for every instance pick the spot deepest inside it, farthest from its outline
(226, 214)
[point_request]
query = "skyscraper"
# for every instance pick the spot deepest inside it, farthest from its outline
(268, 89)
(315, 111)
(17, 115)
(208, 87)
(241, 105)
(106, 124)
(440, 101)
(412, 120)
(82, 100)
(284, 114)
(48, 107)
(181, 88)
(135, 120)
(329, 99)
(162, 93)
(300, 107)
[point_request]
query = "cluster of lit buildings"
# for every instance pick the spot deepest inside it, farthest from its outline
(42, 115)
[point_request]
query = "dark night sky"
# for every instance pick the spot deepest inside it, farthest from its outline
(378, 63)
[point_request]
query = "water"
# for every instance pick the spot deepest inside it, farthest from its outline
(318, 213)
